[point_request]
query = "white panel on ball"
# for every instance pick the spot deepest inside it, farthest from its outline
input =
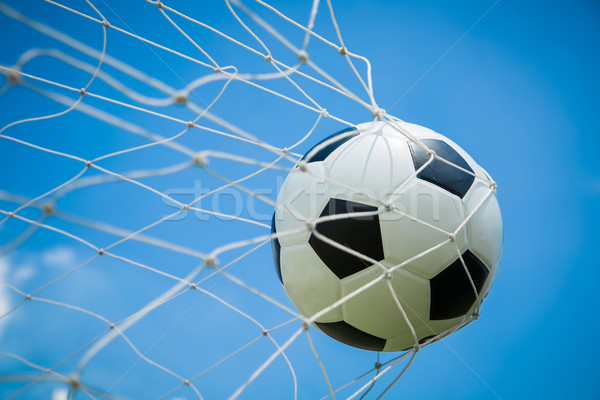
(424, 332)
(404, 238)
(302, 198)
(372, 163)
(443, 325)
(309, 283)
(375, 311)
(406, 340)
(485, 228)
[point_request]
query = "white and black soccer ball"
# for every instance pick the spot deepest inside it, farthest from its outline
(404, 199)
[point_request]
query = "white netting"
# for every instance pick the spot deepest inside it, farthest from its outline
(143, 145)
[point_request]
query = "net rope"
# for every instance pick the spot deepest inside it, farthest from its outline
(121, 95)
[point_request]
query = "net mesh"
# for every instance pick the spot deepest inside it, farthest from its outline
(143, 149)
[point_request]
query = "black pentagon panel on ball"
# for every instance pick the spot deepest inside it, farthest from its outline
(325, 151)
(359, 233)
(347, 334)
(440, 173)
(276, 246)
(452, 294)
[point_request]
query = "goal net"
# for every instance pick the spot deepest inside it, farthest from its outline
(143, 145)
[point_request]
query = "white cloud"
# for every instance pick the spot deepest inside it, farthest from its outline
(23, 273)
(4, 293)
(60, 394)
(20, 268)
(59, 256)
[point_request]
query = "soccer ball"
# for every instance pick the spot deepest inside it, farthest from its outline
(396, 220)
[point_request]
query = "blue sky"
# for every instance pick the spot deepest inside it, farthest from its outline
(520, 93)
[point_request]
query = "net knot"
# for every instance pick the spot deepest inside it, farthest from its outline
(180, 98)
(88, 164)
(269, 58)
(389, 207)
(74, 383)
(28, 297)
(185, 207)
(324, 113)
(430, 153)
(200, 160)
(379, 114)
(343, 51)
(265, 332)
(388, 275)
(452, 237)
(302, 166)
(159, 4)
(193, 286)
(111, 326)
(10, 214)
(305, 324)
(493, 185)
(190, 124)
(100, 252)
(210, 261)
(105, 24)
(48, 208)
(302, 56)
(13, 76)
(186, 382)
(217, 70)
(311, 225)
(82, 92)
